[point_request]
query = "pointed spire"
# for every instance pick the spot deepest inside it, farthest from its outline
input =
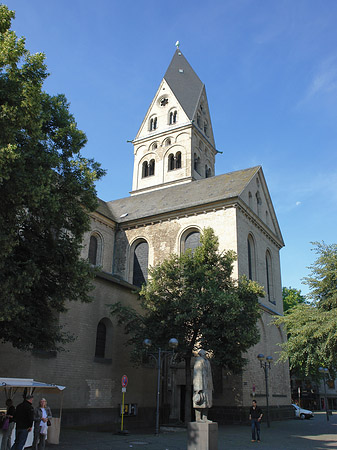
(184, 83)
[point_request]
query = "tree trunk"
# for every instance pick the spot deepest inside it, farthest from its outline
(188, 391)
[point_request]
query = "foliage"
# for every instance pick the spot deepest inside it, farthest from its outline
(193, 298)
(291, 298)
(46, 190)
(312, 328)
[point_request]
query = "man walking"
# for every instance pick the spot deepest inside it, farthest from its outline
(255, 416)
(24, 416)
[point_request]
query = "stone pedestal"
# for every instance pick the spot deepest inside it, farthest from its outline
(202, 436)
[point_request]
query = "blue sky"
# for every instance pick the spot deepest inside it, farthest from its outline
(270, 70)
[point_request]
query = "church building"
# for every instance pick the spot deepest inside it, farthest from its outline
(175, 194)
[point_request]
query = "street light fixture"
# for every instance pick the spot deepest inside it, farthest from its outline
(265, 363)
(325, 372)
(173, 344)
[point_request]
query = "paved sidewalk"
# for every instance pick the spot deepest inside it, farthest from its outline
(295, 434)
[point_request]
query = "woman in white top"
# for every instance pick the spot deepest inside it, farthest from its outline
(41, 416)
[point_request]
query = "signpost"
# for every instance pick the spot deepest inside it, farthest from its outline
(124, 384)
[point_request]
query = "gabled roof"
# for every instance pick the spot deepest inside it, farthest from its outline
(184, 83)
(181, 196)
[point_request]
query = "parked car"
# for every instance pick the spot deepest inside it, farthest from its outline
(302, 413)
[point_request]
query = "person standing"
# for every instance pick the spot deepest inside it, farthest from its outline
(255, 416)
(24, 416)
(7, 434)
(41, 416)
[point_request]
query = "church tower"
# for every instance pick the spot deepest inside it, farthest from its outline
(175, 142)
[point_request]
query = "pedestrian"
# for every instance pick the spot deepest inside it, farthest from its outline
(24, 416)
(42, 415)
(255, 416)
(7, 434)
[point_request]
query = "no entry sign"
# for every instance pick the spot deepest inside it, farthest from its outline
(124, 381)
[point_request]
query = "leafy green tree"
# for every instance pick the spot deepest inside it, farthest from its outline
(291, 298)
(193, 298)
(46, 190)
(312, 328)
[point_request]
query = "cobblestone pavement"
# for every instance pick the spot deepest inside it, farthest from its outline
(316, 433)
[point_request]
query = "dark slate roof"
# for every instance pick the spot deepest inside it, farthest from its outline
(185, 85)
(182, 196)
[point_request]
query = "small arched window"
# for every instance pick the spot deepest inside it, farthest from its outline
(269, 277)
(140, 263)
(168, 142)
(199, 120)
(171, 162)
(151, 167)
(153, 123)
(196, 163)
(251, 258)
(95, 250)
(100, 340)
(258, 203)
(208, 172)
(103, 348)
(250, 200)
(93, 247)
(173, 117)
(145, 169)
(178, 160)
(206, 127)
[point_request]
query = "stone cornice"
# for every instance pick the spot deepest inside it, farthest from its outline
(257, 222)
(98, 217)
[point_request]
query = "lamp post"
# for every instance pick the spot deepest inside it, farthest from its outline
(325, 372)
(173, 343)
(265, 363)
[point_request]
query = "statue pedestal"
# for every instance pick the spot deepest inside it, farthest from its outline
(202, 436)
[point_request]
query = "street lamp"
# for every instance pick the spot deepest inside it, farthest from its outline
(265, 363)
(173, 343)
(325, 372)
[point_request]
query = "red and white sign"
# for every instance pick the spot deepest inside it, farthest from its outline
(124, 381)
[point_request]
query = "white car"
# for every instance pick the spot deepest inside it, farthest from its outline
(302, 413)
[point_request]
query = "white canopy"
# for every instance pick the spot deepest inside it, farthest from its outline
(28, 383)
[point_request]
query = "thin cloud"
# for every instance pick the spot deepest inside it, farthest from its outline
(323, 82)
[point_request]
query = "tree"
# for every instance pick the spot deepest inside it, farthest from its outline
(312, 328)
(291, 298)
(46, 190)
(193, 298)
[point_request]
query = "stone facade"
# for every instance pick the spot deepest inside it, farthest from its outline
(174, 194)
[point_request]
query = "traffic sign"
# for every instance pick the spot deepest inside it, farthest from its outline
(124, 381)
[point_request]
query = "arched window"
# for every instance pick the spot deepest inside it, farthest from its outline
(100, 340)
(103, 348)
(171, 162)
(93, 247)
(269, 277)
(206, 127)
(258, 203)
(140, 263)
(173, 117)
(151, 167)
(178, 160)
(199, 120)
(250, 200)
(168, 142)
(196, 163)
(208, 172)
(251, 258)
(145, 169)
(153, 123)
(191, 241)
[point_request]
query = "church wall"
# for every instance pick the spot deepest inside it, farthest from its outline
(90, 382)
(165, 237)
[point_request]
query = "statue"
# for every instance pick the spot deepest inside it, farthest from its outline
(202, 387)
